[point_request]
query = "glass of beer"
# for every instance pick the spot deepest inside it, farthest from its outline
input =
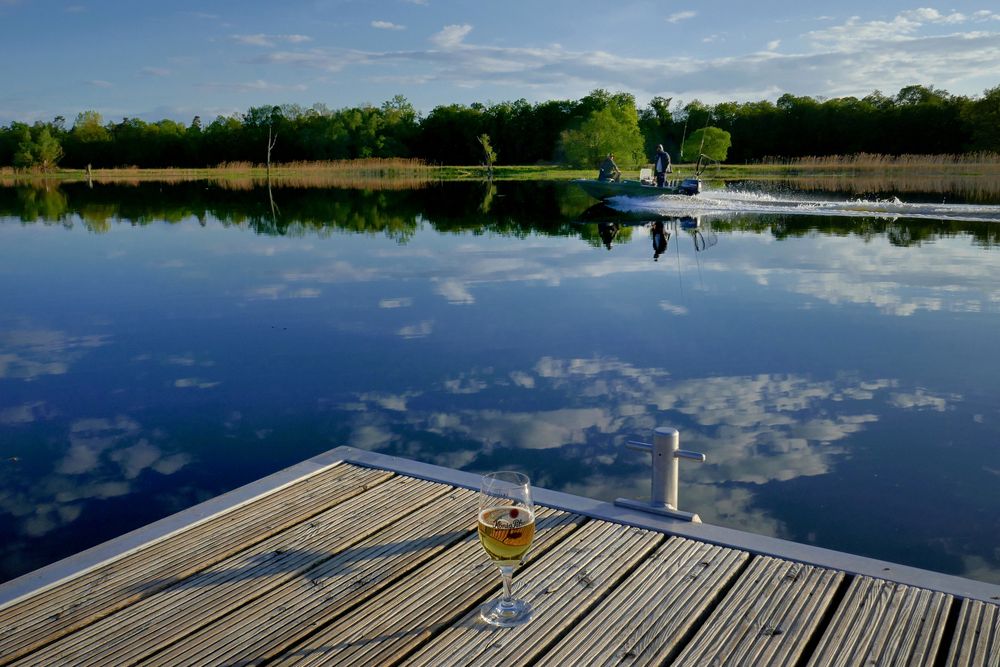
(506, 528)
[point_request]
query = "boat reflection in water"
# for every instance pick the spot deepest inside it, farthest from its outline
(660, 230)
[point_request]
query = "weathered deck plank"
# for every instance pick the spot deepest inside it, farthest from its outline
(360, 566)
(561, 586)
(54, 612)
(767, 618)
(269, 624)
(884, 623)
(180, 610)
(402, 617)
(644, 621)
(977, 636)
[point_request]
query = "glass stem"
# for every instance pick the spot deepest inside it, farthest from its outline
(506, 572)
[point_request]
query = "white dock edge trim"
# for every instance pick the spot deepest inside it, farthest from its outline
(719, 535)
(50, 575)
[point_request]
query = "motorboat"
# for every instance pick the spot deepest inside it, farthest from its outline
(600, 189)
(603, 189)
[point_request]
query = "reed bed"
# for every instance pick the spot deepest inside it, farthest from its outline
(368, 173)
(979, 163)
(973, 188)
(320, 181)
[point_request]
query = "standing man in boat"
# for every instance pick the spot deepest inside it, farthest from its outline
(609, 170)
(661, 165)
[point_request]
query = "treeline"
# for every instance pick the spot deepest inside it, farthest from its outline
(917, 120)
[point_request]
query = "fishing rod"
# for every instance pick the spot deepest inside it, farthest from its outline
(684, 135)
(701, 149)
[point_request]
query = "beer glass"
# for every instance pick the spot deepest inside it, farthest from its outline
(506, 528)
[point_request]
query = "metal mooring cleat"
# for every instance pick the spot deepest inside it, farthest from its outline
(666, 453)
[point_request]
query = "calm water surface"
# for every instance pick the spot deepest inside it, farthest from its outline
(837, 361)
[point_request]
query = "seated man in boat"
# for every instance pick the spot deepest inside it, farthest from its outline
(661, 165)
(609, 170)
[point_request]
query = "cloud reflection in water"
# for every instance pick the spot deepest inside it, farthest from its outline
(102, 460)
(755, 429)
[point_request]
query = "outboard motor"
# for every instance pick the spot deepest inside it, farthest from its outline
(690, 186)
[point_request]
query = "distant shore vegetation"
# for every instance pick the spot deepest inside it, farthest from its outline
(873, 132)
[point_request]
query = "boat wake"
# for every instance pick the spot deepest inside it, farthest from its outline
(728, 202)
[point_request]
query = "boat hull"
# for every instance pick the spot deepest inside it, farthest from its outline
(606, 189)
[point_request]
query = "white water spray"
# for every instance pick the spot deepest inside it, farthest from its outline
(734, 201)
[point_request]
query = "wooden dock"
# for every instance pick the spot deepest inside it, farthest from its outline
(377, 562)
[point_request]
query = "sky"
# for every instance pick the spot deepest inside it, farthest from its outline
(177, 59)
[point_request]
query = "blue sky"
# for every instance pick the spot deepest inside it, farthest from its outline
(180, 59)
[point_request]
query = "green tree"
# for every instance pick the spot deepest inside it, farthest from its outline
(399, 127)
(38, 149)
(48, 152)
(710, 141)
(24, 154)
(601, 133)
(657, 126)
(89, 142)
(89, 128)
(983, 118)
(489, 155)
(449, 134)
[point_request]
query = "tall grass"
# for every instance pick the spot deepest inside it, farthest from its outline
(370, 173)
(975, 176)
(974, 188)
(980, 162)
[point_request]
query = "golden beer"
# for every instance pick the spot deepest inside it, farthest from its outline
(506, 532)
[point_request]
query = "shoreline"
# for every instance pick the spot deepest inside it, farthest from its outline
(362, 171)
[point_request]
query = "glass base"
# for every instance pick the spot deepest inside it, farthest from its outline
(509, 615)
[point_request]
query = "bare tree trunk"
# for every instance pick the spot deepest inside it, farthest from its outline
(270, 145)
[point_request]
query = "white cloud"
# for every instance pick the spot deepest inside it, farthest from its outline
(673, 309)
(252, 86)
(100, 83)
(156, 71)
(401, 302)
(465, 385)
(522, 379)
(895, 281)
(27, 352)
(274, 292)
(387, 25)
(102, 457)
(773, 45)
(418, 330)
(25, 413)
(194, 383)
(451, 36)
(857, 34)
(756, 428)
(677, 17)
(337, 272)
(133, 460)
(928, 15)
(843, 59)
(261, 39)
(455, 291)
(254, 40)
(921, 399)
(394, 402)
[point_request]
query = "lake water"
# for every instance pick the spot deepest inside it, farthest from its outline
(834, 357)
